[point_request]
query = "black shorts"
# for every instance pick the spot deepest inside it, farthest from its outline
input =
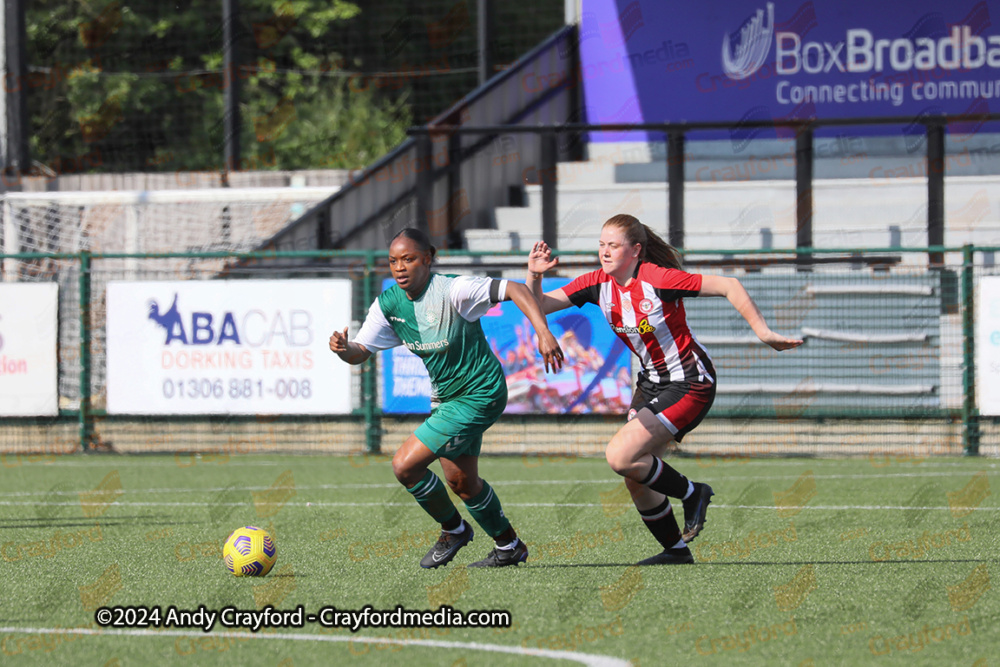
(680, 406)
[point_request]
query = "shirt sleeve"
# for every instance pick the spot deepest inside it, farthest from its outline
(472, 296)
(584, 289)
(673, 284)
(376, 333)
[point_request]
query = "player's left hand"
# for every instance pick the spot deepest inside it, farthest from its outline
(540, 258)
(549, 348)
(779, 342)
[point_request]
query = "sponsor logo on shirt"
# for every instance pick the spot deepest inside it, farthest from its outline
(643, 328)
(420, 347)
(396, 319)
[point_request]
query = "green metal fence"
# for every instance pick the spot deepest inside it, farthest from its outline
(889, 363)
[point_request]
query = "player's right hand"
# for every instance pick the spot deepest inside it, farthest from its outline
(549, 348)
(540, 258)
(338, 341)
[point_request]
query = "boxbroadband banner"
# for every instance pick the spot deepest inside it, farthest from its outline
(755, 60)
(226, 347)
(28, 354)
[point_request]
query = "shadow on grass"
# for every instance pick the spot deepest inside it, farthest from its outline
(32, 522)
(784, 562)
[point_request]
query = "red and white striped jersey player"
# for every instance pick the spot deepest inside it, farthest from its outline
(640, 288)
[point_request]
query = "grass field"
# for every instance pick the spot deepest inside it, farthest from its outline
(802, 562)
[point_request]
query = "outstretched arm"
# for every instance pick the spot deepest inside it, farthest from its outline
(539, 261)
(733, 290)
(352, 353)
(547, 344)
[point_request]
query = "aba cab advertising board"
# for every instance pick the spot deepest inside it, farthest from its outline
(596, 376)
(28, 349)
(752, 60)
(226, 347)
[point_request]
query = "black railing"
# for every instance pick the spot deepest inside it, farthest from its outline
(399, 181)
(675, 133)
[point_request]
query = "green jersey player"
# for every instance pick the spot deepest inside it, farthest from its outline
(437, 318)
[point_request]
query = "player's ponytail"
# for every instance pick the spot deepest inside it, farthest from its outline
(654, 249)
(417, 237)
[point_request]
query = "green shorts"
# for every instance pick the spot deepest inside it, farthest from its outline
(456, 427)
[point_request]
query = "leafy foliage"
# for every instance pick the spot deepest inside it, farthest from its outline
(141, 86)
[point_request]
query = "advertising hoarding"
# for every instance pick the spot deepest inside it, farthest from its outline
(226, 347)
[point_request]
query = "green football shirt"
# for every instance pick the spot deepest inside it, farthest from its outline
(442, 327)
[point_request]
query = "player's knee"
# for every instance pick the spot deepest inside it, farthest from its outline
(405, 473)
(619, 461)
(464, 486)
(458, 483)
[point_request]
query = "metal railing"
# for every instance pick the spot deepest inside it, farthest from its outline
(402, 184)
(953, 286)
(675, 135)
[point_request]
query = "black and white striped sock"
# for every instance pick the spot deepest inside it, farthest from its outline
(666, 480)
(661, 523)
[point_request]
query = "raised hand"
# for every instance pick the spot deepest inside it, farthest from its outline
(540, 258)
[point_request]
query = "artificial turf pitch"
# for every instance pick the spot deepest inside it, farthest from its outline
(886, 560)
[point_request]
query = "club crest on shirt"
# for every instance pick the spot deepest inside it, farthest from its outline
(431, 317)
(646, 306)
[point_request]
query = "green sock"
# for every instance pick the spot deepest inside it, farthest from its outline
(485, 509)
(431, 495)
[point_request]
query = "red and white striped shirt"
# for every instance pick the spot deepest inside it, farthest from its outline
(649, 318)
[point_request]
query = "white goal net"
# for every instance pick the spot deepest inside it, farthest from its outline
(203, 220)
(133, 223)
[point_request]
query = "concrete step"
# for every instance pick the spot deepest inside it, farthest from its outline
(833, 157)
(847, 213)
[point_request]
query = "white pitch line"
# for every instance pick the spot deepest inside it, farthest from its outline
(588, 659)
(513, 482)
(705, 460)
(957, 473)
(835, 508)
(924, 461)
(214, 489)
(320, 503)
(59, 461)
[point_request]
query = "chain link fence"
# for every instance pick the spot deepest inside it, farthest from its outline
(142, 86)
(887, 369)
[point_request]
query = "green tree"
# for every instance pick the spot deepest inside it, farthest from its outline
(138, 86)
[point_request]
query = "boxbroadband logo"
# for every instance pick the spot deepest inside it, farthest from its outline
(745, 52)
(960, 49)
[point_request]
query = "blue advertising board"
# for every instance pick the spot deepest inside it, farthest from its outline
(596, 377)
(753, 60)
